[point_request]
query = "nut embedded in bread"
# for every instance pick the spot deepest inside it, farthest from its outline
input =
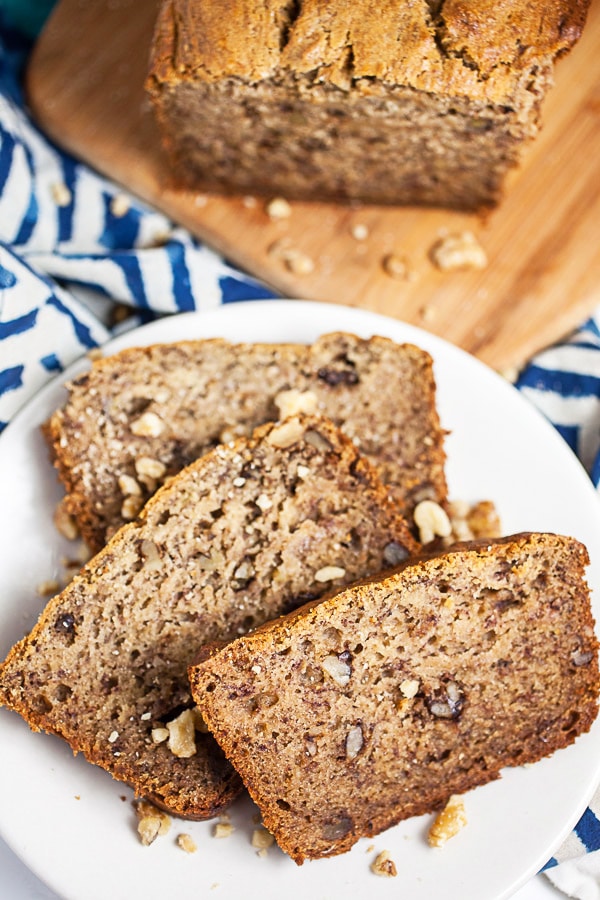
(238, 537)
(392, 695)
(424, 103)
(141, 415)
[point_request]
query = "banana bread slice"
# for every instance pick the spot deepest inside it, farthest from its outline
(141, 415)
(238, 537)
(383, 700)
(426, 103)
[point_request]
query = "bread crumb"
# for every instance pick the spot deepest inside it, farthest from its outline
(384, 866)
(299, 263)
(48, 588)
(397, 266)
(262, 839)
(152, 822)
(359, 232)
(64, 522)
(447, 823)
(278, 208)
(60, 193)
(187, 843)
(455, 252)
(120, 205)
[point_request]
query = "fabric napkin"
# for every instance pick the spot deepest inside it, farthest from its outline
(73, 247)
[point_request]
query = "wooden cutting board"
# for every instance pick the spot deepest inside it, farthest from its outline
(85, 88)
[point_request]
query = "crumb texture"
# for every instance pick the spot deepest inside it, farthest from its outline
(390, 697)
(236, 538)
(427, 102)
(139, 417)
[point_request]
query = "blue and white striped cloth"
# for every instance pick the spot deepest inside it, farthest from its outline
(68, 238)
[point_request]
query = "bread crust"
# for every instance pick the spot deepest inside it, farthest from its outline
(200, 393)
(393, 694)
(241, 535)
(407, 103)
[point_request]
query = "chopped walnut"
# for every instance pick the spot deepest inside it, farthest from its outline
(409, 688)
(354, 742)
(448, 822)
(61, 194)
(454, 252)
(64, 522)
(262, 839)
(329, 573)
(148, 425)
(384, 866)
(159, 735)
(182, 735)
(131, 507)
(299, 263)
(152, 822)
(337, 669)
(120, 205)
(223, 829)
(431, 520)
(292, 402)
(147, 467)
(48, 588)
(129, 486)
(187, 843)
(286, 434)
(279, 208)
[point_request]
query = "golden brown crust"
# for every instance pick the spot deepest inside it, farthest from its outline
(381, 701)
(426, 103)
(475, 49)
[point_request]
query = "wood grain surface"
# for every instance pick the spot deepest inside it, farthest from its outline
(85, 89)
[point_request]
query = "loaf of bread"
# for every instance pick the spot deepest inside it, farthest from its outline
(140, 416)
(383, 700)
(403, 103)
(241, 535)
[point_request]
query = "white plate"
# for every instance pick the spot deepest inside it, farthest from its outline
(75, 827)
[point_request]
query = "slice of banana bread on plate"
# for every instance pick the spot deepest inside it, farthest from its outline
(138, 417)
(240, 536)
(385, 699)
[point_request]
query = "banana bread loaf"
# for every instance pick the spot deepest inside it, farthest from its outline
(138, 417)
(395, 102)
(382, 701)
(239, 536)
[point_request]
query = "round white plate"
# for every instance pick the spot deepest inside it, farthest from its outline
(74, 826)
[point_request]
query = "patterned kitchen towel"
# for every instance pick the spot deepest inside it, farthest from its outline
(72, 243)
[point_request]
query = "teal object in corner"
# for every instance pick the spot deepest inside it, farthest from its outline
(27, 16)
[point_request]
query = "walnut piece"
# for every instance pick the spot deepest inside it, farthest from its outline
(384, 866)
(148, 425)
(152, 822)
(286, 434)
(182, 735)
(187, 843)
(448, 822)
(431, 520)
(338, 669)
(329, 573)
(458, 251)
(290, 403)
